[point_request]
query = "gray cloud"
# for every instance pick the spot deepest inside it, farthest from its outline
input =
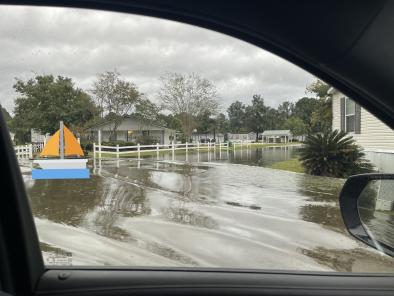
(81, 43)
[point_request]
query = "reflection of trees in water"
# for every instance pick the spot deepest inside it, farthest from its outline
(179, 210)
(117, 199)
(324, 208)
(353, 260)
(64, 201)
(317, 188)
(328, 216)
(263, 156)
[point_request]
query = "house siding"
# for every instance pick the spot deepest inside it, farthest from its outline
(374, 134)
(161, 134)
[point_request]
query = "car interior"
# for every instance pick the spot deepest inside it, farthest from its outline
(347, 43)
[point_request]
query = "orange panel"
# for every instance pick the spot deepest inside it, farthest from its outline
(51, 148)
(71, 145)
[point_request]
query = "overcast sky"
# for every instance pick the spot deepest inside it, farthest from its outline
(81, 43)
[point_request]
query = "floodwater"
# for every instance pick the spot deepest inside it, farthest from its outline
(213, 210)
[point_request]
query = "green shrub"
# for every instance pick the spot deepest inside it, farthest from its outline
(87, 146)
(333, 154)
(120, 143)
(146, 140)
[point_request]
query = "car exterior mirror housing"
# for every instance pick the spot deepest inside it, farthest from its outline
(367, 207)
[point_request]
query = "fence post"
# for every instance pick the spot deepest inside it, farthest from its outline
(94, 150)
(220, 149)
(228, 144)
(139, 151)
(173, 151)
(99, 142)
(30, 151)
(214, 147)
(117, 151)
(157, 151)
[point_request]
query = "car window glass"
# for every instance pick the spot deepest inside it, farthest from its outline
(146, 142)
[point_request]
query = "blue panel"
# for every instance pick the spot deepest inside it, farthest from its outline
(60, 174)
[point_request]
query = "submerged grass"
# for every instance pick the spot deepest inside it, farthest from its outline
(261, 145)
(292, 165)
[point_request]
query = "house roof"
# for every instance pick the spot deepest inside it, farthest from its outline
(250, 133)
(106, 122)
(277, 133)
(331, 90)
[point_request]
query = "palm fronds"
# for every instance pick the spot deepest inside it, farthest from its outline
(333, 154)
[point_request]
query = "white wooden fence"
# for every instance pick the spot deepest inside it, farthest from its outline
(24, 151)
(158, 148)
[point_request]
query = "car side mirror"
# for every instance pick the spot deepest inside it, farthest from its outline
(367, 207)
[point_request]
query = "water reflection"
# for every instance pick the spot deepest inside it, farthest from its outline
(223, 211)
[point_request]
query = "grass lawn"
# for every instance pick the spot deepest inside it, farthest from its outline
(258, 145)
(292, 165)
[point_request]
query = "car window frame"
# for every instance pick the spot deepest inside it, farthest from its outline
(36, 276)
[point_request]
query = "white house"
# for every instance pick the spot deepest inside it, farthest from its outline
(37, 137)
(130, 129)
(218, 137)
(372, 134)
(244, 137)
(277, 136)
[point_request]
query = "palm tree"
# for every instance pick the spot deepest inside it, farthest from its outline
(333, 154)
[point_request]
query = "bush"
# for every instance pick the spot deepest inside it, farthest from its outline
(120, 143)
(87, 146)
(146, 140)
(333, 154)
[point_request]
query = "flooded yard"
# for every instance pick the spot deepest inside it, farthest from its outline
(213, 210)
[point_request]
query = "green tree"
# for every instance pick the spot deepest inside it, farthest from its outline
(148, 111)
(221, 123)
(7, 117)
(296, 126)
(318, 88)
(333, 154)
(188, 96)
(322, 115)
(321, 119)
(236, 115)
(304, 109)
(171, 121)
(260, 117)
(115, 97)
(45, 100)
(286, 109)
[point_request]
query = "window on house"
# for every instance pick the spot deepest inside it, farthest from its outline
(129, 135)
(350, 114)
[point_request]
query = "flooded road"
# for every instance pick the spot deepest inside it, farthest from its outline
(214, 210)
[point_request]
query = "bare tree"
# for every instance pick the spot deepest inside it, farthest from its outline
(188, 96)
(115, 97)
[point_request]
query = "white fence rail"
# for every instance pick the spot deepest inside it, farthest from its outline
(24, 151)
(158, 148)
